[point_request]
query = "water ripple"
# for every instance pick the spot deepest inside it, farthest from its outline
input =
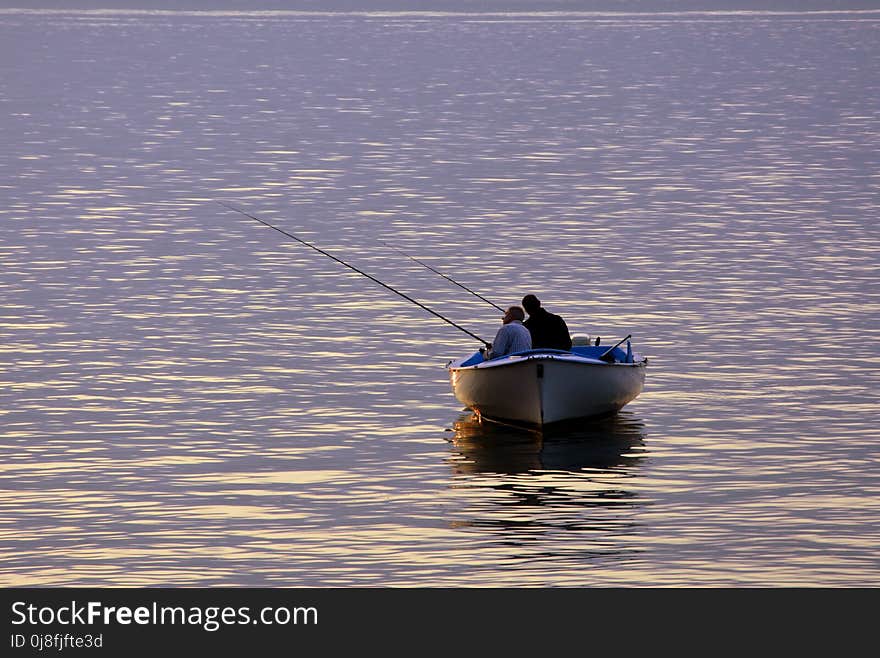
(187, 399)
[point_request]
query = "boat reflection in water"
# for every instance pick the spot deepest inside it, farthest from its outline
(566, 496)
(591, 444)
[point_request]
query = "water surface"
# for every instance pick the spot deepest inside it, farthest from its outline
(188, 399)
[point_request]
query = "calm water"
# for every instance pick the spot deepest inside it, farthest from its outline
(187, 399)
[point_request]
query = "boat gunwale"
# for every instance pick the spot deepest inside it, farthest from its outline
(566, 357)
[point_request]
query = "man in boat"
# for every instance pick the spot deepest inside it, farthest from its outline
(547, 329)
(512, 336)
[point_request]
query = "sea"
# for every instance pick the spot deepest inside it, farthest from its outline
(189, 398)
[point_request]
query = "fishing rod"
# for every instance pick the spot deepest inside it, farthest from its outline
(606, 355)
(448, 278)
(354, 269)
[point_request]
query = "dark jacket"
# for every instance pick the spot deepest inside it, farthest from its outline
(548, 330)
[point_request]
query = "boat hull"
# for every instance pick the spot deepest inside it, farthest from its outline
(541, 389)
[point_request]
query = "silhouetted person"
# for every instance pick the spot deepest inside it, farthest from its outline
(512, 337)
(547, 330)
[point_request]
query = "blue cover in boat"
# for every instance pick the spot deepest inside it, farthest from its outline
(595, 351)
(589, 351)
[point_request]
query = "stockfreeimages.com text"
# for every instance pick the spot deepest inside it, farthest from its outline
(210, 618)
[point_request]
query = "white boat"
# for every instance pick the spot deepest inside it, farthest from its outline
(544, 386)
